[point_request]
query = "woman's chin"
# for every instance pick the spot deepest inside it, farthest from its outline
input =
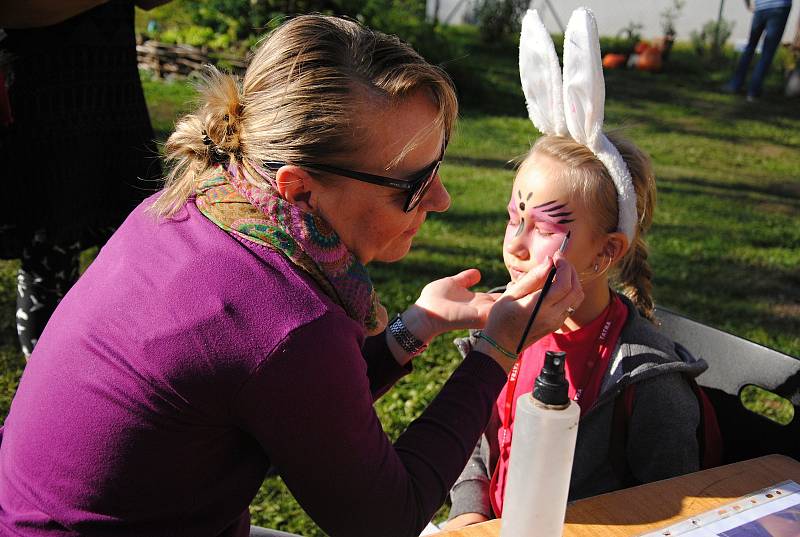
(396, 253)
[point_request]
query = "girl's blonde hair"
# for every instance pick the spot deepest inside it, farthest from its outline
(589, 180)
(303, 94)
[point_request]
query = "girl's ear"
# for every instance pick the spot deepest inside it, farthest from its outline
(615, 247)
(295, 185)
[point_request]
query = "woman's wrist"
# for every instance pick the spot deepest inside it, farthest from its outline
(484, 347)
(419, 323)
(480, 334)
(408, 335)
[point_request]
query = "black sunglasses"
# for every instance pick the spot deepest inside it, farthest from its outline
(416, 187)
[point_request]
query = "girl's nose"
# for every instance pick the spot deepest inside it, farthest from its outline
(517, 246)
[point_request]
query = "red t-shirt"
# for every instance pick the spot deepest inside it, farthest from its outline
(588, 351)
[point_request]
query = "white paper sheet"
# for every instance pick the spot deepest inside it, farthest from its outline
(771, 512)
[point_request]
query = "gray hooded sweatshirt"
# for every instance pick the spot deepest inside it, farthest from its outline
(661, 439)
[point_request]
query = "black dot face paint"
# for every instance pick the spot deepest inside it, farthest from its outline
(521, 227)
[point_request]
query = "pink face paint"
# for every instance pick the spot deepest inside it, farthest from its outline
(546, 225)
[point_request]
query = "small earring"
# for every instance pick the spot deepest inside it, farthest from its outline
(596, 267)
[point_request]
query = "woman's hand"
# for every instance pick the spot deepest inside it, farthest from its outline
(466, 519)
(444, 305)
(510, 313)
(448, 304)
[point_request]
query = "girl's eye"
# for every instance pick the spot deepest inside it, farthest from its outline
(544, 233)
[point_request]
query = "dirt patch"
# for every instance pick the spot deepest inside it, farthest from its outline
(786, 310)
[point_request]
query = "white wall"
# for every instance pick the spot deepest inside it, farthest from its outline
(613, 15)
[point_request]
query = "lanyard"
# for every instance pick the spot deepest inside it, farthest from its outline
(511, 388)
(513, 375)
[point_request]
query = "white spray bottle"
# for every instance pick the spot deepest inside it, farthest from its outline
(542, 449)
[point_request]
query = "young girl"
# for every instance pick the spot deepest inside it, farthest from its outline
(639, 414)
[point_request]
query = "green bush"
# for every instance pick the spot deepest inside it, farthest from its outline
(236, 26)
(499, 20)
(711, 39)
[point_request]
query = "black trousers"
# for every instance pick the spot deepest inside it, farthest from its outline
(45, 275)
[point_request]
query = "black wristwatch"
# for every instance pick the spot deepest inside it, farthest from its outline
(404, 338)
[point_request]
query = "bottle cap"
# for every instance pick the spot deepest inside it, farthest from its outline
(551, 386)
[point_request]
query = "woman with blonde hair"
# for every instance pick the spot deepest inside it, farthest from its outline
(230, 324)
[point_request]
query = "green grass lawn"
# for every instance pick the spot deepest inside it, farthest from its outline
(725, 246)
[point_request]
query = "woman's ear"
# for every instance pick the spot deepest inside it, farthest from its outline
(295, 185)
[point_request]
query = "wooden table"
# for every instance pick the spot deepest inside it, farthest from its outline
(636, 510)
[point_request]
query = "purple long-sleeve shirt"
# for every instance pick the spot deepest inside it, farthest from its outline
(183, 364)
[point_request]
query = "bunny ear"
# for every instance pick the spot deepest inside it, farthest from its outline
(584, 86)
(540, 74)
(584, 107)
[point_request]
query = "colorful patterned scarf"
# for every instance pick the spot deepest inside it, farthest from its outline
(260, 215)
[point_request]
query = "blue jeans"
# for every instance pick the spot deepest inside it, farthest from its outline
(773, 21)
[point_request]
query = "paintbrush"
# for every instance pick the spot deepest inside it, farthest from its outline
(547, 284)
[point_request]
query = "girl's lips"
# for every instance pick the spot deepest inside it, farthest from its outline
(516, 274)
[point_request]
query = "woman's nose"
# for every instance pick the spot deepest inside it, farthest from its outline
(437, 199)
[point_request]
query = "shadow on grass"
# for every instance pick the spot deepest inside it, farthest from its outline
(744, 296)
(734, 296)
(781, 193)
(481, 162)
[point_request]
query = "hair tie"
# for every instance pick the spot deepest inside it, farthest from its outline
(215, 154)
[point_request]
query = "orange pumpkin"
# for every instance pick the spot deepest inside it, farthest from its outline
(650, 60)
(613, 61)
(641, 46)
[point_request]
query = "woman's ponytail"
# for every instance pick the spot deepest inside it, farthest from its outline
(201, 140)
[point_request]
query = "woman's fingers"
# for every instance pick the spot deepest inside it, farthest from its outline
(511, 312)
(566, 283)
(574, 297)
(467, 278)
(530, 282)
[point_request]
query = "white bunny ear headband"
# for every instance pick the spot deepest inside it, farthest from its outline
(574, 108)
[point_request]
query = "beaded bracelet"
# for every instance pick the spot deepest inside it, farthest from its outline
(480, 335)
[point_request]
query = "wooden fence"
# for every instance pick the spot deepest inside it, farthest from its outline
(164, 59)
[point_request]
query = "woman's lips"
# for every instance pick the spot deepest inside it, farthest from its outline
(411, 232)
(414, 230)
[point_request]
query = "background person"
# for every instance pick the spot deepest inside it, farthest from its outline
(79, 152)
(769, 18)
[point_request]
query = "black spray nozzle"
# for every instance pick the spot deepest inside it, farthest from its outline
(552, 387)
